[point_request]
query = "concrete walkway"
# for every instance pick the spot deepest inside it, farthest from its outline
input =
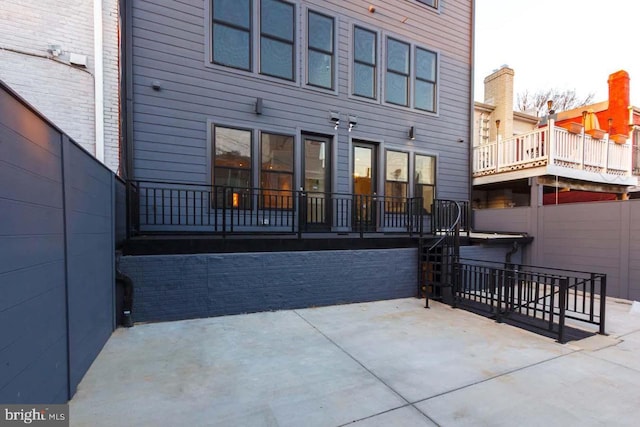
(389, 363)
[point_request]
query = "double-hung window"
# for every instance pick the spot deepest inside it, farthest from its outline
(424, 92)
(320, 50)
(277, 39)
(232, 167)
(425, 180)
(364, 63)
(397, 174)
(398, 72)
(276, 171)
(232, 33)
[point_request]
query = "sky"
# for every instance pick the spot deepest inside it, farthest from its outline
(563, 44)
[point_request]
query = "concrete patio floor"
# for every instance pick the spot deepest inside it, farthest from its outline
(389, 363)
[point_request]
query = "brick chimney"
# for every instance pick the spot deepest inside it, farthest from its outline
(498, 91)
(618, 104)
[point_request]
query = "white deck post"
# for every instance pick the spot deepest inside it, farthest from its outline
(551, 140)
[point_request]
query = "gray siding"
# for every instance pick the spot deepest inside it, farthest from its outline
(170, 126)
(176, 287)
(56, 257)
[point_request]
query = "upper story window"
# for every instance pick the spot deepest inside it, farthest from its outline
(432, 3)
(397, 78)
(364, 62)
(277, 39)
(424, 97)
(320, 50)
(411, 85)
(232, 33)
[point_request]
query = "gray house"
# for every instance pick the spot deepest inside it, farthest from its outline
(295, 129)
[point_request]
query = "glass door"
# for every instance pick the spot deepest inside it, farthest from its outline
(317, 183)
(364, 185)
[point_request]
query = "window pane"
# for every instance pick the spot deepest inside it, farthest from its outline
(277, 19)
(232, 148)
(231, 47)
(427, 193)
(425, 169)
(425, 96)
(277, 153)
(397, 87)
(364, 80)
(276, 58)
(276, 190)
(397, 56)
(432, 3)
(425, 65)
(397, 166)
(320, 32)
(394, 189)
(364, 46)
(320, 69)
(237, 12)
(236, 178)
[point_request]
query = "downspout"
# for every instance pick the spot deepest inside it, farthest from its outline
(471, 113)
(98, 78)
(507, 258)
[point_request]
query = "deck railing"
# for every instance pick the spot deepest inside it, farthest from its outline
(542, 298)
(553, 145)
(161, 207)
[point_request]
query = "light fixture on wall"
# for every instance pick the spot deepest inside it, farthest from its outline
(335, 119)
(412, 133)
(258, 106)
(353, 121)
(156, 85)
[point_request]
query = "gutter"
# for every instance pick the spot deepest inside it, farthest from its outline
(98, 78)
(471, 111)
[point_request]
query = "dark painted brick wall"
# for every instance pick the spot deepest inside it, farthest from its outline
(187, 286)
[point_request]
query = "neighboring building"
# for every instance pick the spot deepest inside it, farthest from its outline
(58, 55)
(520, 159)
(293, 117)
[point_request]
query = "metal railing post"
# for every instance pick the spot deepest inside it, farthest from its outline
(361, 221)
(562, 301)
(603, 303)
(224, 212)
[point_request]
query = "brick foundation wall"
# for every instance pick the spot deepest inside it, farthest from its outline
(177, 287)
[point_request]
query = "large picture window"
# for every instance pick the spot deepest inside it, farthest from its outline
(397, 174)
(320, 50)
(424, 97)
(231, 35)
(232, 167)
(277, 32)
(425, 180)
(364, 63)
(398, 69)
(276, 171)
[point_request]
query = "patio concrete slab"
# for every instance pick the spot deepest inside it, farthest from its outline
(388, 363)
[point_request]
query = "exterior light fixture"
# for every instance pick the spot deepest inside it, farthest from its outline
(258, 106)
(353, 121)
(412, 133)
(335, 119)
(550, 107)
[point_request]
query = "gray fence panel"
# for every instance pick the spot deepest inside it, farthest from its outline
(56, 257)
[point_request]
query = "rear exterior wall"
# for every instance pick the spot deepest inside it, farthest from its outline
(171, 127)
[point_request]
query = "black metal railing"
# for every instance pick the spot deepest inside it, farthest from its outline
(437, 260)
(160, 207)
(542, 298)
(444, 213)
